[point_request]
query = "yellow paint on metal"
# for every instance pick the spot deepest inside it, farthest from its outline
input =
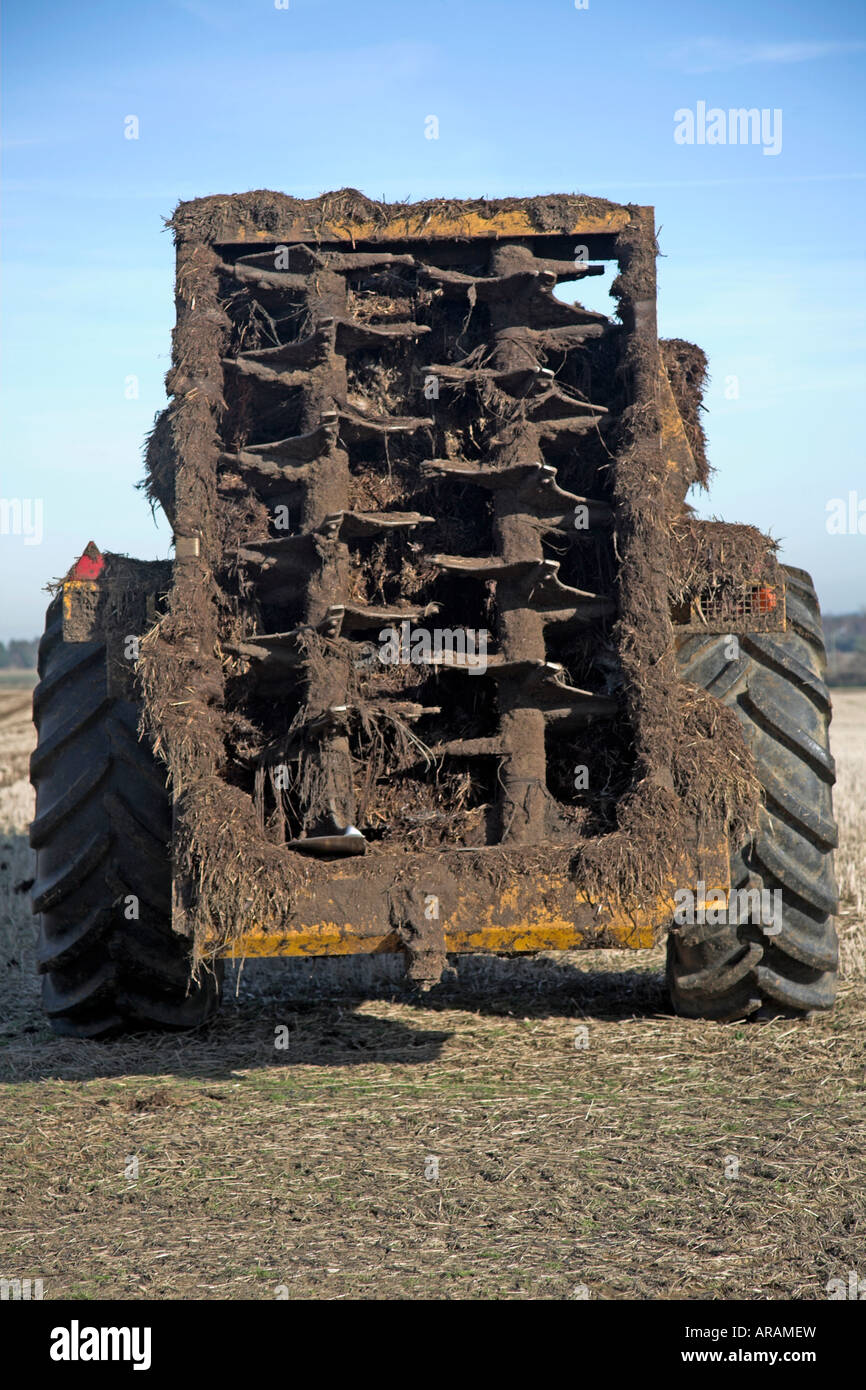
(322, 939)
(71, 589)
(74, 591)
(548, 934)
(543, 931)
(416, 226)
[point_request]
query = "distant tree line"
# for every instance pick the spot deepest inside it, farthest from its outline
(19, 655)
(846, 633)
(846, 648)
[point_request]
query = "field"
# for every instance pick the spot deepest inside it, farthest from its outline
(540, 1129)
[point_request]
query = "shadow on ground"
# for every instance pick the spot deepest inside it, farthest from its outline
(323, 1011)
(310, 1013)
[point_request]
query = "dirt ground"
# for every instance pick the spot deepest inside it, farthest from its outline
(540, 1129)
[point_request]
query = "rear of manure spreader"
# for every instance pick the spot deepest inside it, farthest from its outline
(443, 663)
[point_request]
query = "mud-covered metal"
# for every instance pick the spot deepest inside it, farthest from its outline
(537, 906)
(112, 600)
(386, 419)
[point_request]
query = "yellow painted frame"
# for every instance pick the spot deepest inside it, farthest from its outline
(415, 226)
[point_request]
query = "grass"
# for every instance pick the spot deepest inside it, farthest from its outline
(558, 1166)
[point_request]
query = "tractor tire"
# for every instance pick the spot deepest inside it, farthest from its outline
(775, 687)
(102, 836)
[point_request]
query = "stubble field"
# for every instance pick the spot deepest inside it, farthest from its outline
(587, 1142)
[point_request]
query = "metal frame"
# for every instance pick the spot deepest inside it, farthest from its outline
(538, 905)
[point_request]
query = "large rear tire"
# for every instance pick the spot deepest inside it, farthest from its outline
(775, 687)
(102, 836)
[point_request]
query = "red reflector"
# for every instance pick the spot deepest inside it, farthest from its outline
(91, 564)
(766, 600)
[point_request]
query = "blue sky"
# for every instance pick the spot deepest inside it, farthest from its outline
(763, 254)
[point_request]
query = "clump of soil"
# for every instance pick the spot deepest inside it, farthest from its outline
(687, 368)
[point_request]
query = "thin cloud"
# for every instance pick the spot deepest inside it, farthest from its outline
(714, 55)
(206, 13)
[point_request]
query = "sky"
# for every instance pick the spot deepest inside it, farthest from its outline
(762, 243)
